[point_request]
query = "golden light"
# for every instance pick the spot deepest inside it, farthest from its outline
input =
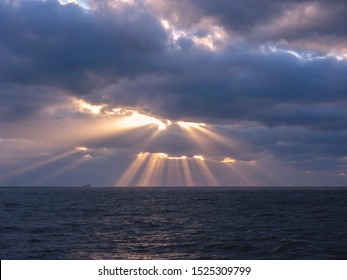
(82, 149)
(148, 169)
(205, 137)
(228, 160)
(129, 175)
(148, 176)
(175, 175)
(199, 157)
(109, 123)
(187, 173)
(162, 155)
(188, 125)
(205, 171)
(137, 119)
(158, 172)
(177, 158)
(86, 129)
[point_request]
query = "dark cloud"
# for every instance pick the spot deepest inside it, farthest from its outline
(273, 88)
(21, 102)
(312, 144)
(119, 56)
(45, 43)
(321, 116)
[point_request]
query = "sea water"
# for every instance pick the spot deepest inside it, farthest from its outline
(173, 223)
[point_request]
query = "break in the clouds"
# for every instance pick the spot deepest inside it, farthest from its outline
(189, 92)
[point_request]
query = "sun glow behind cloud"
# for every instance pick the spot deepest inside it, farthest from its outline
(100, 123)
(228, 160)
(152, 168)
(188, 125)
(158, 168)
(96, 122)
(136, 119)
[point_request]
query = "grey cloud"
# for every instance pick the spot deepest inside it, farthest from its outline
(65, 46)
(20, 102)
(297, 145)
(120, 57)
(273, 88)
(315, 116)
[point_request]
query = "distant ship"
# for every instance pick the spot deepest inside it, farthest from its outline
(86, 186)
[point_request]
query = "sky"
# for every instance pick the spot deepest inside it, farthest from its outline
(173, 93)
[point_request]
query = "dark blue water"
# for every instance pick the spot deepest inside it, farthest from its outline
(173, 223)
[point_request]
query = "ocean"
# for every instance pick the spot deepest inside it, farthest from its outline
(173, 223)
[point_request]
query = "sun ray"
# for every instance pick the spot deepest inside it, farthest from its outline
(148, 169)
(146, 179)
(99, 123)
(215, 137)
(225, 141)
(77, 131)
(189, 125)
(38, 164)
(132, 170)
(206, 138)
(256, 166)
(62, 170)
(175, 170)
(171, 177)
(149, 139)
(157, 176)
(187, 174)
(205, 171)
(178, 173)
(233, 165)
